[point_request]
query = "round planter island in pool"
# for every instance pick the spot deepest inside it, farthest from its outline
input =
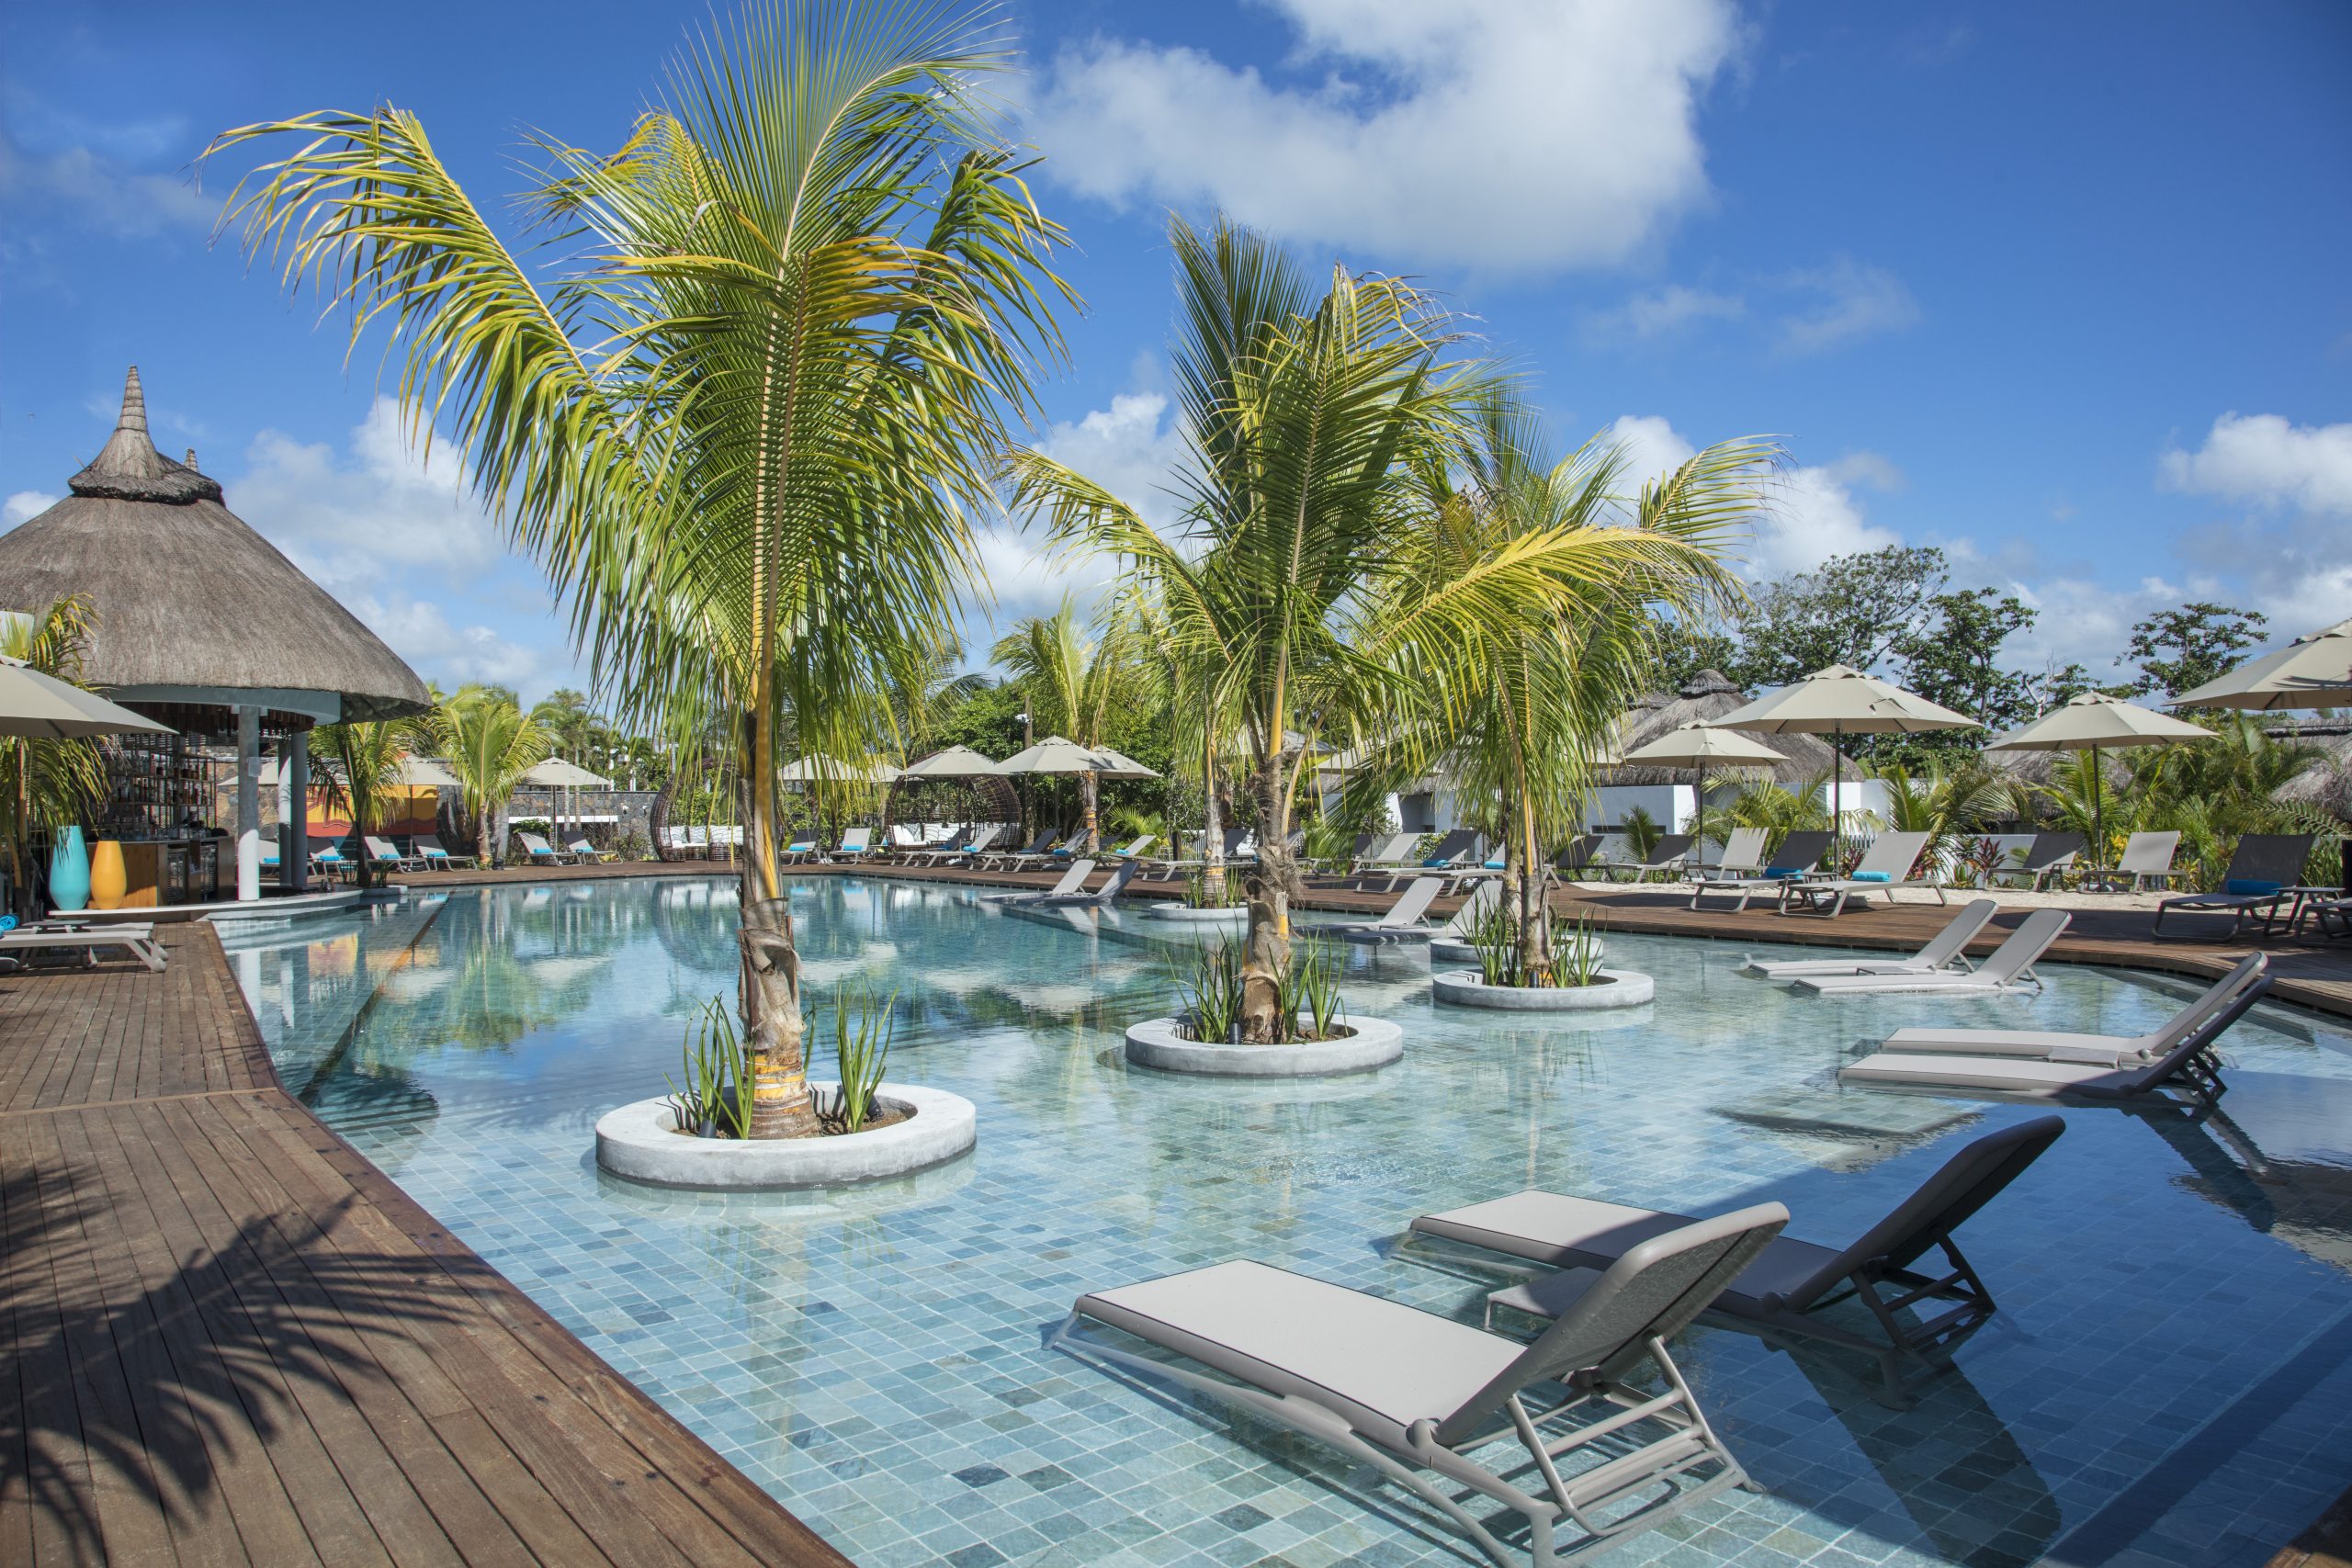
(1371, 1042)
(1610, 988)
(1185, 914)
(641, 1143)
(1446, 950)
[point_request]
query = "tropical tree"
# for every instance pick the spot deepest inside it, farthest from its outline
(361, 764)
(1518, 704)
(488, 743)
(1070, 675)
(1948, 800)
(1311, 421)
(51, 782)
(742, 416)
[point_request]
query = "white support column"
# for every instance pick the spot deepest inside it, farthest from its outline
(294, 767)
(248, 803)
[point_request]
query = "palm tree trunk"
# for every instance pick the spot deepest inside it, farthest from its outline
(1212, 825)
(1090, 801)
(1265, 965)
(774, 1031)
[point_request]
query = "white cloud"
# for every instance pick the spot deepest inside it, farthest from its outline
(381, 504)
(1516, 135)
(1852, 300)
(1810, 514)
(421, 632)
(1664, 311)
(25, 504)
(101, 191)
(2262, 460)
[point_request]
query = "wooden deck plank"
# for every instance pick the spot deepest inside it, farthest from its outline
(233, 1338)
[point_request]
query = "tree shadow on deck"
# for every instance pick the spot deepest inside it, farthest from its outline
(130, 1384)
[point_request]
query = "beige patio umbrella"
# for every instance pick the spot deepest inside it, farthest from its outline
(1054, 754)
(569, 777)
(818, 768)
(954, 762)
(2313, 672)
(1838, 702)
(2094, 722)
(1699, 746)
(39, 707)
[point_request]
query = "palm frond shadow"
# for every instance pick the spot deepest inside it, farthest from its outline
(136, 1392)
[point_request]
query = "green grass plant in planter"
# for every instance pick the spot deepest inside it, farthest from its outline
(1208, 988)
(716, 1101)
(863, 1033)
(1313, 990)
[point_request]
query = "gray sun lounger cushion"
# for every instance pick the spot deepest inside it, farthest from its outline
(1073, 879)
(2261, 868)
(2009, 966)
(1418, 1396)
(2189, 1072)
(1403, 920)
(1121, 875)
(2049, 854)
(2101, 1050)
(1789, 1277)
(1798, 853)
(1945, 950)
(1743, 857)
(1885, 867)
(1666, 854)
(1464, 921)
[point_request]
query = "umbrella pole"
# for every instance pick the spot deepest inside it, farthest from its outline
(2098, 815)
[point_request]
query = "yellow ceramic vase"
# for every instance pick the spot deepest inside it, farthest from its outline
(108, 883)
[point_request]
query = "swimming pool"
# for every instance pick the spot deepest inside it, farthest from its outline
(2170, 1380)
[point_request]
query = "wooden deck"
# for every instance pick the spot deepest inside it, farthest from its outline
(228, 1338)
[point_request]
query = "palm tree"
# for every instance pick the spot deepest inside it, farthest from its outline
(742, 418)
(488, 744)
(1310, 425)
(1072, 681)
(51, 782)
(1520, 704)
(361, 764)
(1947, 801)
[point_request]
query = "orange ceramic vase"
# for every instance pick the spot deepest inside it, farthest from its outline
(107, 883)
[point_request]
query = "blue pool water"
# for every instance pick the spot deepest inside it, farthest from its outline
(2169, 1381)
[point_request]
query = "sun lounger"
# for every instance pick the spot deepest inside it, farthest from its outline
(1884, 867)
(582, 849)
(2213, 1012)
(382, 855)
(430, 855)
(2050, 854)
(1134, 848)
(1797, 855)
(1791, 1280)
(797, 851)
(2147, 857)
(1403, 920)
(2008, 968)
(1057, 848)
(1945, 950)
(1418, 1396)
(1073, 880)
(1668, 854)
(1464, 921)
(2189, 1072)
(2263, 869)
(998, 859)
(968, 850)
(541, 852)
(857, 843)
(2333, 917)
(1743, 857)
(1576, 857)
(137, 939)
(1121, 875)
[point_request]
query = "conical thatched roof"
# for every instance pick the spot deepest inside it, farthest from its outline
(1708, 695)
(189, 601)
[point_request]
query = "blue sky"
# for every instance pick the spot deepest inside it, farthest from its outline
(2065, 289)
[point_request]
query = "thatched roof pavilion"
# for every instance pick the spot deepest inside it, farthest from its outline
(201, 623)
(1708, 695)
(193, 607)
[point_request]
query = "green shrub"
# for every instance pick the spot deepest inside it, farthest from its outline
(716, 1101)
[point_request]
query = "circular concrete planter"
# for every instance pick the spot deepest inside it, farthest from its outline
(1446, 950)
(1184, 914)
(1624, 989)
(1375, 1043)
(641, 1143)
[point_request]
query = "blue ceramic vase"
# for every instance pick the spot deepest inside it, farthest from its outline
(69, 871)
